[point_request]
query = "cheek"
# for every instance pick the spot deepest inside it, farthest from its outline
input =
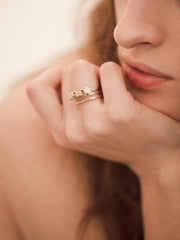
(165, 100)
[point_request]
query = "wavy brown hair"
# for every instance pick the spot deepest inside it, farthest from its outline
(116, 189)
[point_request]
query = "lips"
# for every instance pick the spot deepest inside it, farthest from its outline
(142, 76)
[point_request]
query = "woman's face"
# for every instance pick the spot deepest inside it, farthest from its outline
(148, 31)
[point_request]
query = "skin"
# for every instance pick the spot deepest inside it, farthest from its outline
(84, 128)
(138, 108)
(95, 124)
(34, 169)
(149, 31)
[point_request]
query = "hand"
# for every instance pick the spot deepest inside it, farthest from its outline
(117, 127)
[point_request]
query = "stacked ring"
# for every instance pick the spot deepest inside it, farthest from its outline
(84, 94)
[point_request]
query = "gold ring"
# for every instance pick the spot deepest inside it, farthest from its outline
(83, 92)
(88, 99)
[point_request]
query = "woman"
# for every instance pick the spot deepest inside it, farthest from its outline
(54, 186)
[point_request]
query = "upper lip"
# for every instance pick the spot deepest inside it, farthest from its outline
(144, 68)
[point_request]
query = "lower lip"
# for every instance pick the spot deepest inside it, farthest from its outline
(143, 80)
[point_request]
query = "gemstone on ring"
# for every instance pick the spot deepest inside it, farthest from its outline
(86, 90)
(80, 93)
(71, 96)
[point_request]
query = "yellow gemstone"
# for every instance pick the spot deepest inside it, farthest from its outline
(78, 93)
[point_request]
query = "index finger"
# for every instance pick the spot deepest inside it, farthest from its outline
(50, 76)
(44, 96)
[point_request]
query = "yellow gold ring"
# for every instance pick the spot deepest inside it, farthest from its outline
(83, 92)
(89, 99)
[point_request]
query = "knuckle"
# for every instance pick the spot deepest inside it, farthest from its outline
(58, 133)
(80, 63)
(94, 129)
(31, 89)
(107, 65)
(76, 66)
(74, 136)
(59, 139)
(34, 92)
(115, 116)
(127, 112)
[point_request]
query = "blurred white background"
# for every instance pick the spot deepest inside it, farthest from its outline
(32, 32)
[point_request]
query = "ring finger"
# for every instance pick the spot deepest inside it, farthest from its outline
(77, 76)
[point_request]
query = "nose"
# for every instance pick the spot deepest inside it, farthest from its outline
(139, 24)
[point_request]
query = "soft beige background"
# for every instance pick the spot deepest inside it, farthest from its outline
(32, 32)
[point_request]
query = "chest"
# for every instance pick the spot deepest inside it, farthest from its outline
(8, 227)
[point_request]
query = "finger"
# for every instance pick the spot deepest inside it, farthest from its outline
(82, 74)
(44, 97)
(72, 115)
(116, 95)
(49, 76)
(78, 117)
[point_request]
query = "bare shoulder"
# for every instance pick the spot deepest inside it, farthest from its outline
(55, 177)
(8, 227)
(21, 127)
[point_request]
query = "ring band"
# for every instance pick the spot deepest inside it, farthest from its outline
(83, 92)
(88, 99)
